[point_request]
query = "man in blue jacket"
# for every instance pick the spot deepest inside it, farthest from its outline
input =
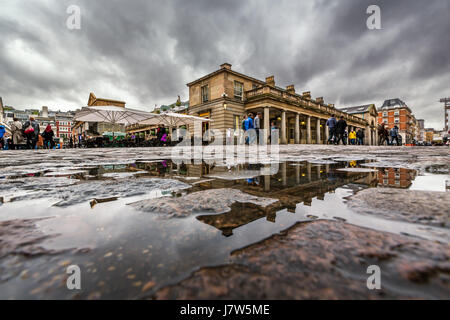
(248, 125)
(2, 136)
(331, 124)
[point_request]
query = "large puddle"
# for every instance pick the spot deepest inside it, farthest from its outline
(134, 226)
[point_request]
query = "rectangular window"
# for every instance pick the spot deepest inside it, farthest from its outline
(397, 120)
(238, 89)
(205, 93)
(385, 114)
(255, 86)
(396, 112)
(385, 121)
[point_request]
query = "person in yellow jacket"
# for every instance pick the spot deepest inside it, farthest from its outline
(352, 137)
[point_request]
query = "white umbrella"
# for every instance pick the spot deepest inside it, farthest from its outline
(172, 119)
(111, 114)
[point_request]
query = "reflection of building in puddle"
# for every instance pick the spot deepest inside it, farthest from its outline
(396, 177)
(240, 214)
(292, 185)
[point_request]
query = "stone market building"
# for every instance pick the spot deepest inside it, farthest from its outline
(225, 95)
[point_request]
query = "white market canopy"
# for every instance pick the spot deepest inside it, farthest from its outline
(171, 119)
(111, 114)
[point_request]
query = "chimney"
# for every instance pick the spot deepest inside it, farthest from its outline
(331, 105)
(319, 100)
(290, 89)
(271, 81)
(306, 94)
(44, 112)
(225, 66)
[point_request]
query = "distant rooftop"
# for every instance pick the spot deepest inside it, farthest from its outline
(393, 103)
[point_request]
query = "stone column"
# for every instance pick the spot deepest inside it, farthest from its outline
(267, 183)
(308, 170)
(266, 124)
(368, 136)
(297, 174)
(283, 127)
(327, 134)
(308, 130)
(318, 138)
(297, 128)
(283, 174)
(376, 137)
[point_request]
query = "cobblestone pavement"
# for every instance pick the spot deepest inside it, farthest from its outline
(304, 222)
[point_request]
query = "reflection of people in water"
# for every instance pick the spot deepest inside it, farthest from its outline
(331, 176)
(162, 169)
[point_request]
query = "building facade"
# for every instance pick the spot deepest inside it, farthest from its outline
(421, 128)
(395, 112)
(225, 95)
(64, 122)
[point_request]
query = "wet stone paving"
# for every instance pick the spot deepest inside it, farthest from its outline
(304, 223)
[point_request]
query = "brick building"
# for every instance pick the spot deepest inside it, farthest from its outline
(395, 112)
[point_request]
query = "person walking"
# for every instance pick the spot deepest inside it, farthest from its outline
(31, 130)
(394, 136)
(17, 135)
(341, 125)
(352, 137)
(48, 135)
(242, 130)
(248, 125)
(331, 124)
(229, 137)
(360, 137)
(2, 137)
(273, 132)
(257, 124)
(40, 142)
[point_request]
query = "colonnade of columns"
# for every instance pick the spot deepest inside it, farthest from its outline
(320, 124)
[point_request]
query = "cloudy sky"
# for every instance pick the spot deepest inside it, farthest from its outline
(144, 52)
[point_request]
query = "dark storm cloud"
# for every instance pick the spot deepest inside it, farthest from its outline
(145, 52)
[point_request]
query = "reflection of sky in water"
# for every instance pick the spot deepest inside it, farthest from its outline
(430, 182)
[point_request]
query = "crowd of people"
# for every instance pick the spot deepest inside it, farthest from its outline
(338, 132)
(29, 136)
(389, 137)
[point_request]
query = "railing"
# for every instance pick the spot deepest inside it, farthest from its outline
(304, 102)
